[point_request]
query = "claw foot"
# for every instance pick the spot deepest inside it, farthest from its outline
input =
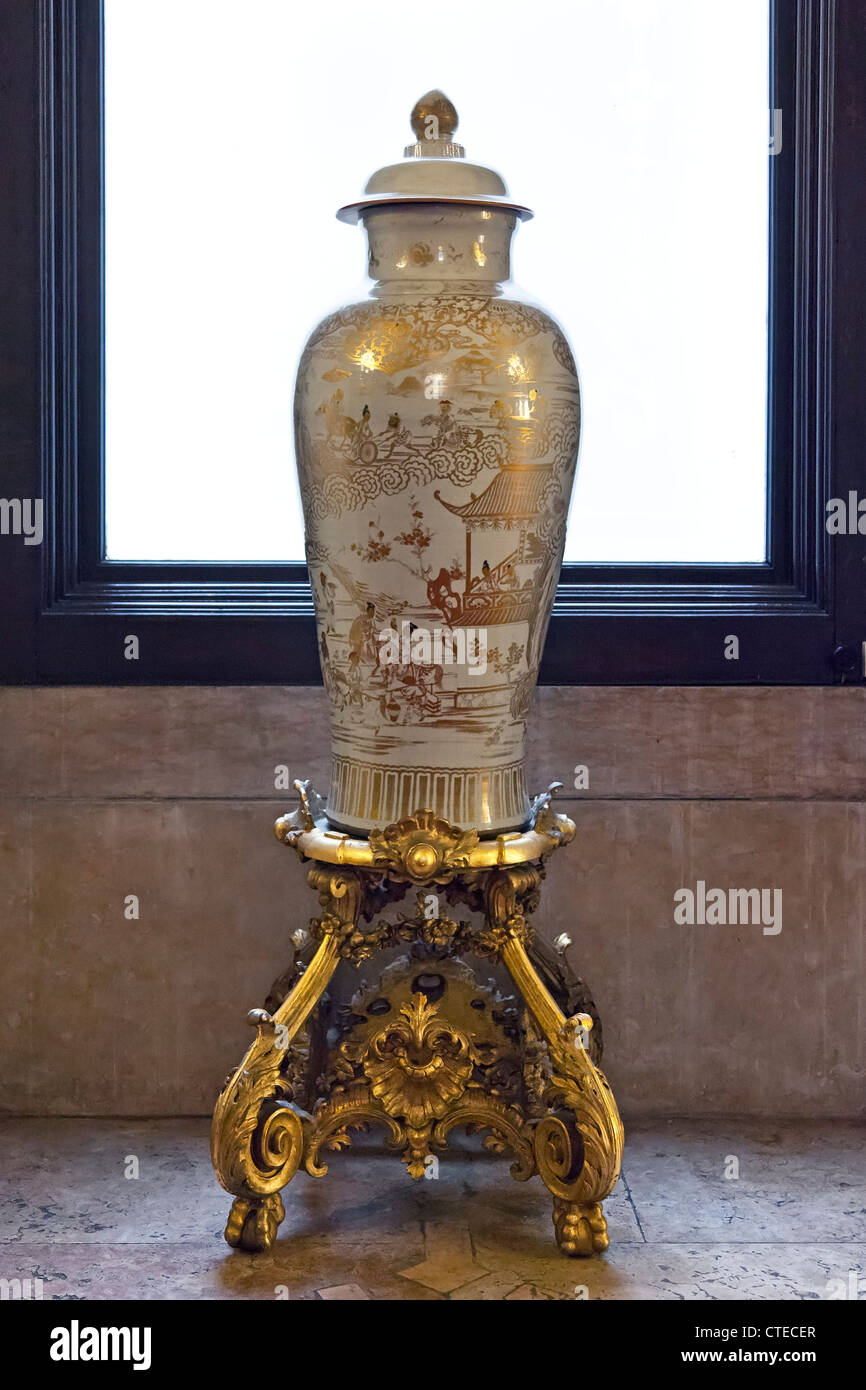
(580, 1228)
(253, 1222)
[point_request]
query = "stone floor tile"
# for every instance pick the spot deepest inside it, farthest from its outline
(445, 1271)
(367, 1231)
(63, 1180)
(691, 1272)
(291, 1271)
(798, 1181)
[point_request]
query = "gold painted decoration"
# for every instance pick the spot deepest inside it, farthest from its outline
(437, 425)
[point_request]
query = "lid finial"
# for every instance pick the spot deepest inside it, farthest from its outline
(434, 121)
(434, 170)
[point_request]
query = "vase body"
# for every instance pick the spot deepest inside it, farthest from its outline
(437, 426)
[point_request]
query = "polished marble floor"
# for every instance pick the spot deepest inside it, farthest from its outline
(706, 1209)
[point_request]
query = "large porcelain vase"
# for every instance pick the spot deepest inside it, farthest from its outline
(437, 426)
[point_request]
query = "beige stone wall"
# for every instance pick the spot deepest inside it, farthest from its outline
(168, 793)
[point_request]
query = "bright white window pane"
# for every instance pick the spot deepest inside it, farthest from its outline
(637, 129)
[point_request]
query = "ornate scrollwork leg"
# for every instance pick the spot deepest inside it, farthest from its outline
(529, 1077)
(257, 1137)
(578, 1143)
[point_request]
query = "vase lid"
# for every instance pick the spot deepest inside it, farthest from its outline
(434, 169)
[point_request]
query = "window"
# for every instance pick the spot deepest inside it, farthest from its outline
(639, 135)
(744, 465)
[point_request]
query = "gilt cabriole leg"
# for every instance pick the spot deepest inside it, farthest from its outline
(257, 1138)
(578, 1143)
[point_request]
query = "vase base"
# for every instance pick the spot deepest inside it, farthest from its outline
(360, 830)
(365, 796)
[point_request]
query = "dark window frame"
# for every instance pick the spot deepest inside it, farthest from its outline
(68, 610)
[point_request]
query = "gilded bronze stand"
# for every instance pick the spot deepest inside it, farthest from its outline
(524, 1069)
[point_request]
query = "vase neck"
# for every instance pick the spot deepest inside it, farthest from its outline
(439, 246)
